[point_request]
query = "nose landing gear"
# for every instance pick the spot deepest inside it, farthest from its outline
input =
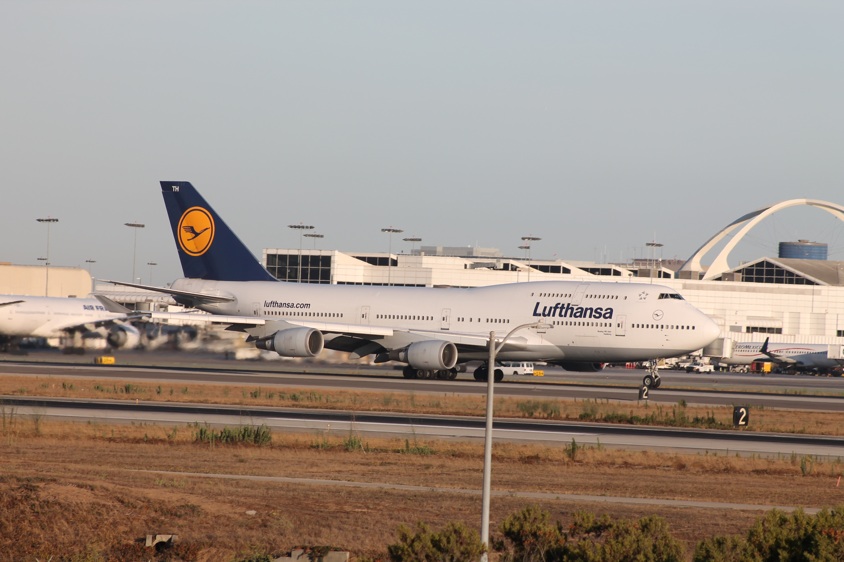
(652, 379)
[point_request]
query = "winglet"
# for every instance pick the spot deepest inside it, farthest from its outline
(207, 247)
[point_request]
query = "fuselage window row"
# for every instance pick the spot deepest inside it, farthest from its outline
(403, 317)
(305, 314)
(568, 296)
(662, 327)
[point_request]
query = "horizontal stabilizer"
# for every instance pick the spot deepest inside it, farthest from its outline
(112, 306)
(185, 295)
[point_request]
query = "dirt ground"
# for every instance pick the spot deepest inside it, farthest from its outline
(90, 490)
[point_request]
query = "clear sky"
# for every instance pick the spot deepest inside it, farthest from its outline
(597, 126)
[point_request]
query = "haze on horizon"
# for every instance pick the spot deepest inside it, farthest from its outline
(595, 126)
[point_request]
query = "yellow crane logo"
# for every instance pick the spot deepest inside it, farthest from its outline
(195, 231)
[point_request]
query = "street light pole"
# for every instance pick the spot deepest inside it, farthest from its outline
(653, 245)
(526, 248)
(390, 230)
(301, 228)
(134, 226)
(151, 264)
(49, 221)
(490, 379)
(90, 262)
(527, 240)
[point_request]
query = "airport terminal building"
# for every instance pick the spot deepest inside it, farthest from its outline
(796, 296)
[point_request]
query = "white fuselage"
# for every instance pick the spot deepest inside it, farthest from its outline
(812, 356)
(49, 317)
(595, 322)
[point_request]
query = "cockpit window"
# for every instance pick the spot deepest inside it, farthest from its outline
(670, 296)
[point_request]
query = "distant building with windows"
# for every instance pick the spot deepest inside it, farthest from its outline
(786, 298)
(803, 299)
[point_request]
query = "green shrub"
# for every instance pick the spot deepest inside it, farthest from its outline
(603, 539)
(455, 543)
(782, 536)
(530, 536)
(244, 434)
(528, 408)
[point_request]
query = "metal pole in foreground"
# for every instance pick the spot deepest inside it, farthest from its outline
(490, 379)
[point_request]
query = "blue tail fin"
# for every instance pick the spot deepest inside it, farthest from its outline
(208, 249)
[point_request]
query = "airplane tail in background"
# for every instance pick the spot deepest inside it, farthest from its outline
(207, 248)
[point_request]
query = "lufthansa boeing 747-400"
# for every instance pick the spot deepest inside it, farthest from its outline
(582, 325)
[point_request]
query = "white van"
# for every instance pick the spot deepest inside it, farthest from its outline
(517, 368)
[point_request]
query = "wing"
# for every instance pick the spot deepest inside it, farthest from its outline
(360, 340)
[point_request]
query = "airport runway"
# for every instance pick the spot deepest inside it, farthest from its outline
(341, 423)
(730, 389)
(705, 389)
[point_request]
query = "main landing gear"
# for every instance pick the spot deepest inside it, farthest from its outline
(442, 374)
(652, 380)
(481, 374)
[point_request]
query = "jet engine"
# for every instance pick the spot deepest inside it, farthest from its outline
(123, 336)
(295, 342)
(581, 366)
(428, 355)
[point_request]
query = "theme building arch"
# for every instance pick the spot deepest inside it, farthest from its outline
(719, 264)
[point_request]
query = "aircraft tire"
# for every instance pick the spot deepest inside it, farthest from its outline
(409, 372)
(648, 381)
(499, 375)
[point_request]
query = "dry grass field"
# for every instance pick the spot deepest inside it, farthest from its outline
(89, 491)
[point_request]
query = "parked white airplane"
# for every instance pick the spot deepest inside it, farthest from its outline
(51, 317)
(797, 356)
(429, 329)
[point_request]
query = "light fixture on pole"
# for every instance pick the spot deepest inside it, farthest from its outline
(413, 240)
(301, 228)
(151, 264)
(494, 348)
(134, 226)
(315, 236)
(49, 222)
(390, 230)
(527, 240)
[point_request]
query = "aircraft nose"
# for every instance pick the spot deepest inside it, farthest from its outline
(709, 330)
